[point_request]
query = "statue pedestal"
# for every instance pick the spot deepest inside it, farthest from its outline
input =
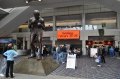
(34, 67)
(22, 52)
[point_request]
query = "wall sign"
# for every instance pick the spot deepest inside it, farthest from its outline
(68, 34)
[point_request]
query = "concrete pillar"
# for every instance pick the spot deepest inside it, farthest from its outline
(117, 38)
(118, 20)
(54, 28)
(84, 47)
(83, 21)
(54, 23)
(24, 42)
(28, 42)
(83, 38)
(53, 40)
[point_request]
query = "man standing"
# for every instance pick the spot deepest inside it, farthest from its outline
(103, 55)
(54, 52)
(10, 54)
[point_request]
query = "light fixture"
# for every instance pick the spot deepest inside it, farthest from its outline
(118, 0)
(27, 1)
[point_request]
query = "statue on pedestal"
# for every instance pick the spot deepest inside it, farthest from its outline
(36, 26)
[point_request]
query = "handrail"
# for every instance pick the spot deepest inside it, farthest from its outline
(11, 10)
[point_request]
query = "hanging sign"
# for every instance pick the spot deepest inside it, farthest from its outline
(68, 34)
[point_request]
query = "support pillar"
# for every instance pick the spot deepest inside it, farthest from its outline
(28, 42)
(84, 47)
(54, 23)
(24, 43)
(54, 29)
(117, 38)
(83, 37)
(118, 20)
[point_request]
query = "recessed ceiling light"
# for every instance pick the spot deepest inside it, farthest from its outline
(27, 1)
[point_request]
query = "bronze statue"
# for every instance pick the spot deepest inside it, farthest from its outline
(36, 26)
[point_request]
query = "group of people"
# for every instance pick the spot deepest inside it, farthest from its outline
(114, 51)
(60, 52)
(100, 56)
(103, 51)
(9, 56)
(44, 52)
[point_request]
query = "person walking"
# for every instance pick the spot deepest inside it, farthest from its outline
(116, 51)
(111, 51)
(10, 54)
(103, 55)
(98, 59)
(64, 54)
(54, 52)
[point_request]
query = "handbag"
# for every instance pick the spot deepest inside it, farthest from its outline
(97, 60)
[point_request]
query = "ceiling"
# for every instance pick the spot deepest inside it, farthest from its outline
(43, 3)
(46, 4)
(111, 4)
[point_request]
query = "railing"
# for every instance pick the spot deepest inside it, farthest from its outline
(7, 12)
(3, 15)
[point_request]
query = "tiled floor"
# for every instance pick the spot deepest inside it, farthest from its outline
(24, 76)
(86, 68)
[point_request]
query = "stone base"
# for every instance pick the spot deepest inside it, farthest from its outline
(34, 67)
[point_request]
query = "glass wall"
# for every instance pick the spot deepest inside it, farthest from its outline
(93, 21)
(48, 23)
(106, 20)
(68, 22)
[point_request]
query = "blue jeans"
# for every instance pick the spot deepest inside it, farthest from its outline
(54, 55)
(60, 57)
(64, 56)
(111, 54)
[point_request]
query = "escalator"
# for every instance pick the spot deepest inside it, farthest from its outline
(14, 19)
(3, 15)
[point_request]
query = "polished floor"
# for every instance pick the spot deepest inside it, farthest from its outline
(86, 69)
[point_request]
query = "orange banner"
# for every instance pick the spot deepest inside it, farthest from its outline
(68, 34)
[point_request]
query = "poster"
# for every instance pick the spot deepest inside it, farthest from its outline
(93, 51)
(71, 61)
(68, 34)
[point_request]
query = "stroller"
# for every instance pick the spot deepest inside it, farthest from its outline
(98, 59)
(2, 66)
